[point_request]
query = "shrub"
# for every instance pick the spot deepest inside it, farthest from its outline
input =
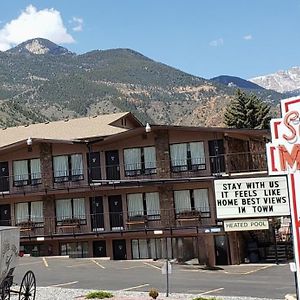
(153, 293)
(99, 295)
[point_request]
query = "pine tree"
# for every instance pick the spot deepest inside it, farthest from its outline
(247, 111)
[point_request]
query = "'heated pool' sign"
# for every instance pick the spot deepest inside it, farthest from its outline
(284, 158)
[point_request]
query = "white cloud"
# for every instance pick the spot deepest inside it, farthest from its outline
(77, 24)
(33, 23)
(217, 43)
(247, 37)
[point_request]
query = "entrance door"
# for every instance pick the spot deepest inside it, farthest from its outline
(99, 248)
(221, 250)
(93, 160)
(4, 177)
(217, 157)
(115, 212)
(119, 249)
(112, 165)
(5, 215)
(97, 217)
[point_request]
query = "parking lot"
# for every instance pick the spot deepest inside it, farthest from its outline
(269, 281)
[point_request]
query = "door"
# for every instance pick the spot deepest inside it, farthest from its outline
(115, 212)
(93, 159)
(221, 250)
(4, 177)
(112, 165)
(5, 215)
(119, 249)
(97, 216)
(99, 248)
(217, 157)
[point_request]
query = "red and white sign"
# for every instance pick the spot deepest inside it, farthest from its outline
(284, 158)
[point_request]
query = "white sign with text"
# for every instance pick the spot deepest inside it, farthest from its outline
(246, 224)
(251, 197)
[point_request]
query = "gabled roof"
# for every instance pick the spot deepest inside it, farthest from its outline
(67, 130)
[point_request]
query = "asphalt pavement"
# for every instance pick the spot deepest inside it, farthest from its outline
(247, 280)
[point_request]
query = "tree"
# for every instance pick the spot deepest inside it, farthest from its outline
(247, 111)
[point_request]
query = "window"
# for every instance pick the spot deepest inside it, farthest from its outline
(74, 250)
(140, 161)
(192, 201)
(152, 248)
(29, 212)
(70, 211)
(143, 204)
(27, 172)
(68, 167)
(187, 157)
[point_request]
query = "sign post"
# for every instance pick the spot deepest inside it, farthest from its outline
(283, 155)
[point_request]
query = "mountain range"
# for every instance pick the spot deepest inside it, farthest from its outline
(41, 81)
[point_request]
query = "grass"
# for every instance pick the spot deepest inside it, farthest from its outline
(99, 295)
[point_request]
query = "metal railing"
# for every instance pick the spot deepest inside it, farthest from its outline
(214, 165)
(108, 222)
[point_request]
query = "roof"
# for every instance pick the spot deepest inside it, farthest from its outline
(66, 130)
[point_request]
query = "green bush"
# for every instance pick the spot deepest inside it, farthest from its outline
(153, 293)
(99, 295)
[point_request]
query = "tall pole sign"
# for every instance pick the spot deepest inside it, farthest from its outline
(283, 155)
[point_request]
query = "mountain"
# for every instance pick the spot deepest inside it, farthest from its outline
(39, 46)
(41, 81)
(281, 81)
(233, 81)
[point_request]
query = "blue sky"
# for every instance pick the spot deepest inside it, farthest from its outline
(207, 38)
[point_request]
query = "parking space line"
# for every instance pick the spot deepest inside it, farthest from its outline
(45, 262)
(211, 291)
(30, 263)
(248, 272)
(135, 287)
(98, 264)
(63, 284)
(153, 266)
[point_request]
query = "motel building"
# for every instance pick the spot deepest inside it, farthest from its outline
(108, 186)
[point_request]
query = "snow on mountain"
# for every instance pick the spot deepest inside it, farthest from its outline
(281, 81)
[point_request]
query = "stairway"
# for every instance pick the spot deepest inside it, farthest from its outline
(284, 253)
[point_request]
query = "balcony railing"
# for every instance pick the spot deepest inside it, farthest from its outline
(110, 222)
(214, 165)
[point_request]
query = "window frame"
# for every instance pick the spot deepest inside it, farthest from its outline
(145, 215)
(29, 219)
(82, 221)
(203, 214)
(143, 170)
(69, 176)
(30, 180)
(189, 167)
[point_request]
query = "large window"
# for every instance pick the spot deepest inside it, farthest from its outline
(192, 201)
(143, 205)
(68, 167)
(138, 161)
(27, 212)
(74, 250)
(27, 172)
(187, 157)
(70, 211)
(152, 248)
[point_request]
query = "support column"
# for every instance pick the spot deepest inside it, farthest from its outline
(46, 165)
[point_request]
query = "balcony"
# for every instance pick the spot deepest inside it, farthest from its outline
(110, 223)
(131, 174)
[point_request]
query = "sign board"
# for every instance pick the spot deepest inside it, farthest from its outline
(164, 268)
(246, 224)
(283, 155)
(251, 197)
